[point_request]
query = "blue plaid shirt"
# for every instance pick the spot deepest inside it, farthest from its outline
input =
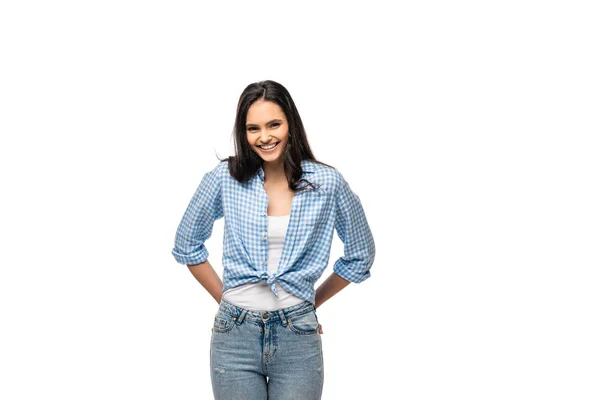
(314, 216)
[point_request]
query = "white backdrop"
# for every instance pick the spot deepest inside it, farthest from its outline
(468, 129)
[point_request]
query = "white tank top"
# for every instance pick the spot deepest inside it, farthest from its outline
(258, 296)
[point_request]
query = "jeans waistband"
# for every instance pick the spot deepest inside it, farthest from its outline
(268, 315)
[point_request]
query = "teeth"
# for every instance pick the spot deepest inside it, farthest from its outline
(269, 146)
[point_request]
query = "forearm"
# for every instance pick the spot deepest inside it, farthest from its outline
(333, 284)
(208, 278)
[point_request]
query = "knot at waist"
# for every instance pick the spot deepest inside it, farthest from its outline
(270, 278)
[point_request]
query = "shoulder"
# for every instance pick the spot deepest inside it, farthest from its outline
(219, 169)
(215, 175)
(328, 177)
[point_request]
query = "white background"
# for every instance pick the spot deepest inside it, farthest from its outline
(468, 129)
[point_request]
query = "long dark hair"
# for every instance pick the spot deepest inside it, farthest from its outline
(246, 162)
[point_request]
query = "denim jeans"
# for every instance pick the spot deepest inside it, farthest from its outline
(275, 354)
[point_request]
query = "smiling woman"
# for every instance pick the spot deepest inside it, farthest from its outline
(267, 129)
(281, 208)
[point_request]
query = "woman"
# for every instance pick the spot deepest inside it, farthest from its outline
(281, 207)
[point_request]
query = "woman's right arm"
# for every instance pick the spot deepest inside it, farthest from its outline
(208, 278)
(196, 227)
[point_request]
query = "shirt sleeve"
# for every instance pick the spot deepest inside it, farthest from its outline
(196, 226)
(353, 230)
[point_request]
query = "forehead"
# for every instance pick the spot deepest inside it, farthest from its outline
(262, 111)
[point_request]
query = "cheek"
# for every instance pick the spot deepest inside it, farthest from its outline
(283, 133)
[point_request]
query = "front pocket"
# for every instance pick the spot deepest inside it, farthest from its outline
(223, 322)
(304, 324)
(316, 208)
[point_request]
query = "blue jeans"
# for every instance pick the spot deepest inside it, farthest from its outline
(275, 355)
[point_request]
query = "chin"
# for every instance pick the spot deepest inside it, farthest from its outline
(272, 158)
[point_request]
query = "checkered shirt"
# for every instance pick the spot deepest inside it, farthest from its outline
(314, 216)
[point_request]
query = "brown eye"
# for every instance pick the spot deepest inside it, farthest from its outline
(275, 125)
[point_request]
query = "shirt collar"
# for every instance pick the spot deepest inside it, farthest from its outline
(307, 167)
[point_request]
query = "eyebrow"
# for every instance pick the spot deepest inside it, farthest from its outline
(268, 123)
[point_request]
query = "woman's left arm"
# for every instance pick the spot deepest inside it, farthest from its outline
(359, 246)
(354, 231)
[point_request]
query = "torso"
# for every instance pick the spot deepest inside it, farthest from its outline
(280, 198)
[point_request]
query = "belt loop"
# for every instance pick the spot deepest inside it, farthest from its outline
(241, 317)
(282, 316)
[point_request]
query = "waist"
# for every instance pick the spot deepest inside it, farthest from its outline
(265, 315)
(259, 296)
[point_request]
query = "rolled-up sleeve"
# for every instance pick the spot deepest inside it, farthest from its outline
(353, 230)
(196, 226)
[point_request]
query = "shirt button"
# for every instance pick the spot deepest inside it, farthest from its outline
(265, 263)
(264, 238)
(264, 213)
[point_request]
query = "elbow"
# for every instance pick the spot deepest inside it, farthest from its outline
(190, 257)
(355, 270)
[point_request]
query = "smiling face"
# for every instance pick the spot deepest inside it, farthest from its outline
(266, 124)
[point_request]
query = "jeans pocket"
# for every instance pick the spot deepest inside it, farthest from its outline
(304, 324)
(223, 322)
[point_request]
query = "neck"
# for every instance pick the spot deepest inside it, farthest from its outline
(274, 170)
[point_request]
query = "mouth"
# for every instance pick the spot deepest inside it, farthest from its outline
(268, 148)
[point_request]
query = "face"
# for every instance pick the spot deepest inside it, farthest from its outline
(266, 124)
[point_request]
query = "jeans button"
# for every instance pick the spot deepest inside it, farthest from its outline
(265, 315)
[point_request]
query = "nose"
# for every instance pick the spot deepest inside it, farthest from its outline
(264, 136)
